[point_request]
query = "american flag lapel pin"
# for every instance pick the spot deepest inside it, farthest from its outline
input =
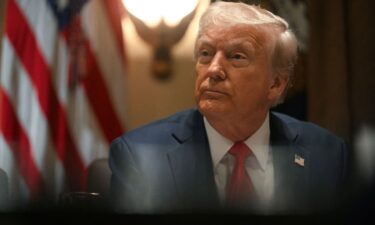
(299, 160)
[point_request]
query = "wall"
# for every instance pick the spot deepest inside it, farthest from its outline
(341, 82)
(149, 99)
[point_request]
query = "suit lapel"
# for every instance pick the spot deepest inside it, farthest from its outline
(291, 167)
(191, 164)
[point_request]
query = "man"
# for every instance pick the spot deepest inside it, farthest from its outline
(232, 153)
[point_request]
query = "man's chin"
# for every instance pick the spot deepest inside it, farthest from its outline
(212, 108)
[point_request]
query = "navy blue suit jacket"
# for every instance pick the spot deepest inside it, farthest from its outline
(166, 166)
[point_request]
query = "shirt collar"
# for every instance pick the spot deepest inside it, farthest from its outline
(258, 143)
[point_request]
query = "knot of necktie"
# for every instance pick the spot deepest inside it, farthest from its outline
(240, 151)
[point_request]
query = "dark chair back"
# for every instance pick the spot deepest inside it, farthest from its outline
(96, 198)
(4, 189)
(99, 177)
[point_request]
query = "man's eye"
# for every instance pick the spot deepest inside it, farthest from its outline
(239, 59)
(239, 56)
(204, 53)
(204, 56)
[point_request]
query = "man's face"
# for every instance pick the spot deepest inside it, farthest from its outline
(234, 76)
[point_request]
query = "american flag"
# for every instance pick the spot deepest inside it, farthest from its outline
(62, 93)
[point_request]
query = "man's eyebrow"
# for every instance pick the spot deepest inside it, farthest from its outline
(204, 41)
(236, 44)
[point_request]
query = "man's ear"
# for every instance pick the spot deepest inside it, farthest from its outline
(278, 85)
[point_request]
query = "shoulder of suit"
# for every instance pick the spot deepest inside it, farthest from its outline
(159, 127)
(305, 129)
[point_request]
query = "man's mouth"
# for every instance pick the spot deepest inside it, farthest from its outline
(212, 93)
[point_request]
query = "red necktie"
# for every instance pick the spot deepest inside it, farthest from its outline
(240, 188)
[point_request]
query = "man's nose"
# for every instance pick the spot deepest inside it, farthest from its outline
(216, 69)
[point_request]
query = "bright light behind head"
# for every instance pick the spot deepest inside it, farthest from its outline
(153, 11)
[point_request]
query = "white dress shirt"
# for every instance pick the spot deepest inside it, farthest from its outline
(259, 165)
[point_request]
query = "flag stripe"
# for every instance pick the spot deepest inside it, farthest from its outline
(19, 193)
(100, 101)
(16, 138)
(31, 118)
(114, 10)
(62, 95)
(26, 48)
(86, 135)
(84, 129)
(41, 23)
(99, 33)
(44, 26)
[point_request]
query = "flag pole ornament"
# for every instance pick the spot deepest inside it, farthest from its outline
(162, 35)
